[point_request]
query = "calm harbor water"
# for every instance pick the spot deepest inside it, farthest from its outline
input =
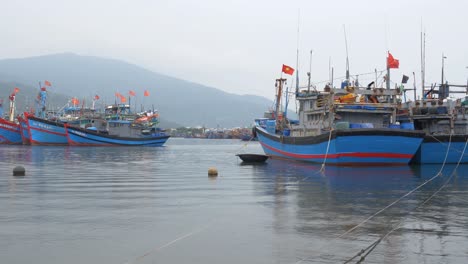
(157, 205)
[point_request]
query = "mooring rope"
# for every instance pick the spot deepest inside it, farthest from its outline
(388, 206)
(371, 247)
(326, 153)
(156, 249)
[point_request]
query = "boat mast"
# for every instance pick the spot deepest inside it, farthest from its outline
(388, 73)
(423, 62)
(347, 59)
(12, 107)
(297, 53)
(279, 91)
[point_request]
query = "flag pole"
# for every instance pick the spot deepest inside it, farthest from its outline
(388, 72)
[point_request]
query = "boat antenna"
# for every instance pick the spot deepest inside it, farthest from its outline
(297, 52)
(310, 71)
(423, 59)
(347, 58)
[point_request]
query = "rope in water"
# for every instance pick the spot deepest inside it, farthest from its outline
(189, 234)
(326, 153)
(371, 247)
(386, 207)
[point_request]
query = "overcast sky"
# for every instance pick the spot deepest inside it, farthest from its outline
(239, 46)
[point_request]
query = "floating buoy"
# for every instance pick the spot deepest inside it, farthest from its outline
(212, 172)
(19, 171)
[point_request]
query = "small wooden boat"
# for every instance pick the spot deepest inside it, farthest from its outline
(252, 158)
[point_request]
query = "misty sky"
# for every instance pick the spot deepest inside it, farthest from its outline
(239, 46)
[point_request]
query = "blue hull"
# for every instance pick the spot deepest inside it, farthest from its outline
(434, 149)
(44, 132)
(83, 137)
(9, 132)
(347, 147)
(24, 130)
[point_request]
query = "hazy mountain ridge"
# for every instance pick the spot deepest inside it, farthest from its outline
(177, 100)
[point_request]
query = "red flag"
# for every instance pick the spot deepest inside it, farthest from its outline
(392, 63)
(123, 99)
(16, 90)
(118, 95)
(96, 97)
(131, 93)
(287, 70)
(47, 83)
(75, 101)
(146, 93)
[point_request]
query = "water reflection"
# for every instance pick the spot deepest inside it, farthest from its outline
(328, 203)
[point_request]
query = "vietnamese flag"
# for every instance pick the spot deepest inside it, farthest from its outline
(123, 99)
(75, 101)
(16, 90)
(146, 93)
(287, 70)
(392, 63)
(96, 97)
(131, 93)
(47, 83)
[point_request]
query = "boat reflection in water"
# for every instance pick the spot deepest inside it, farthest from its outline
(319, 206)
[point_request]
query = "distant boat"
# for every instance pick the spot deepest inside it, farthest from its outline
(133, 135)
(248, 137)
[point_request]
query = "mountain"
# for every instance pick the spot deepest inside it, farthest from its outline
(179, 101)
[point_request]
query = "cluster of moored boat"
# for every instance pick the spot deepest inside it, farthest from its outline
(354, 125)
(116, 126)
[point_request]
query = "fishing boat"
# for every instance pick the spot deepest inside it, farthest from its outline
(119, 131)
(444, 121)
(9, 129)
(442, 115)
(45, 132)
(90, 137)
(341, 126)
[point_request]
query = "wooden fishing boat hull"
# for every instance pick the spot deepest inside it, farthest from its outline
(9, 132)
(85, 137)
(346, 147)
(45, 132)
(433, 150)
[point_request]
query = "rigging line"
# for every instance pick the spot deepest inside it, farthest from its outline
(189, 234)
(337, 78)
(419, 206)
(446, 154)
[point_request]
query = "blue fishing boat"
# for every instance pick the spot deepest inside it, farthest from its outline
(45, 132)
(10, 130)
(118, 133)
(444, 120)
(340, 126)
(442, 115)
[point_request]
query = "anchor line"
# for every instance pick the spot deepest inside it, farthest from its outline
(386, 207)
(371, 247)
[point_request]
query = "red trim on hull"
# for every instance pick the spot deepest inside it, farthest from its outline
(48, 131)
(335, 156)
(38, 143)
